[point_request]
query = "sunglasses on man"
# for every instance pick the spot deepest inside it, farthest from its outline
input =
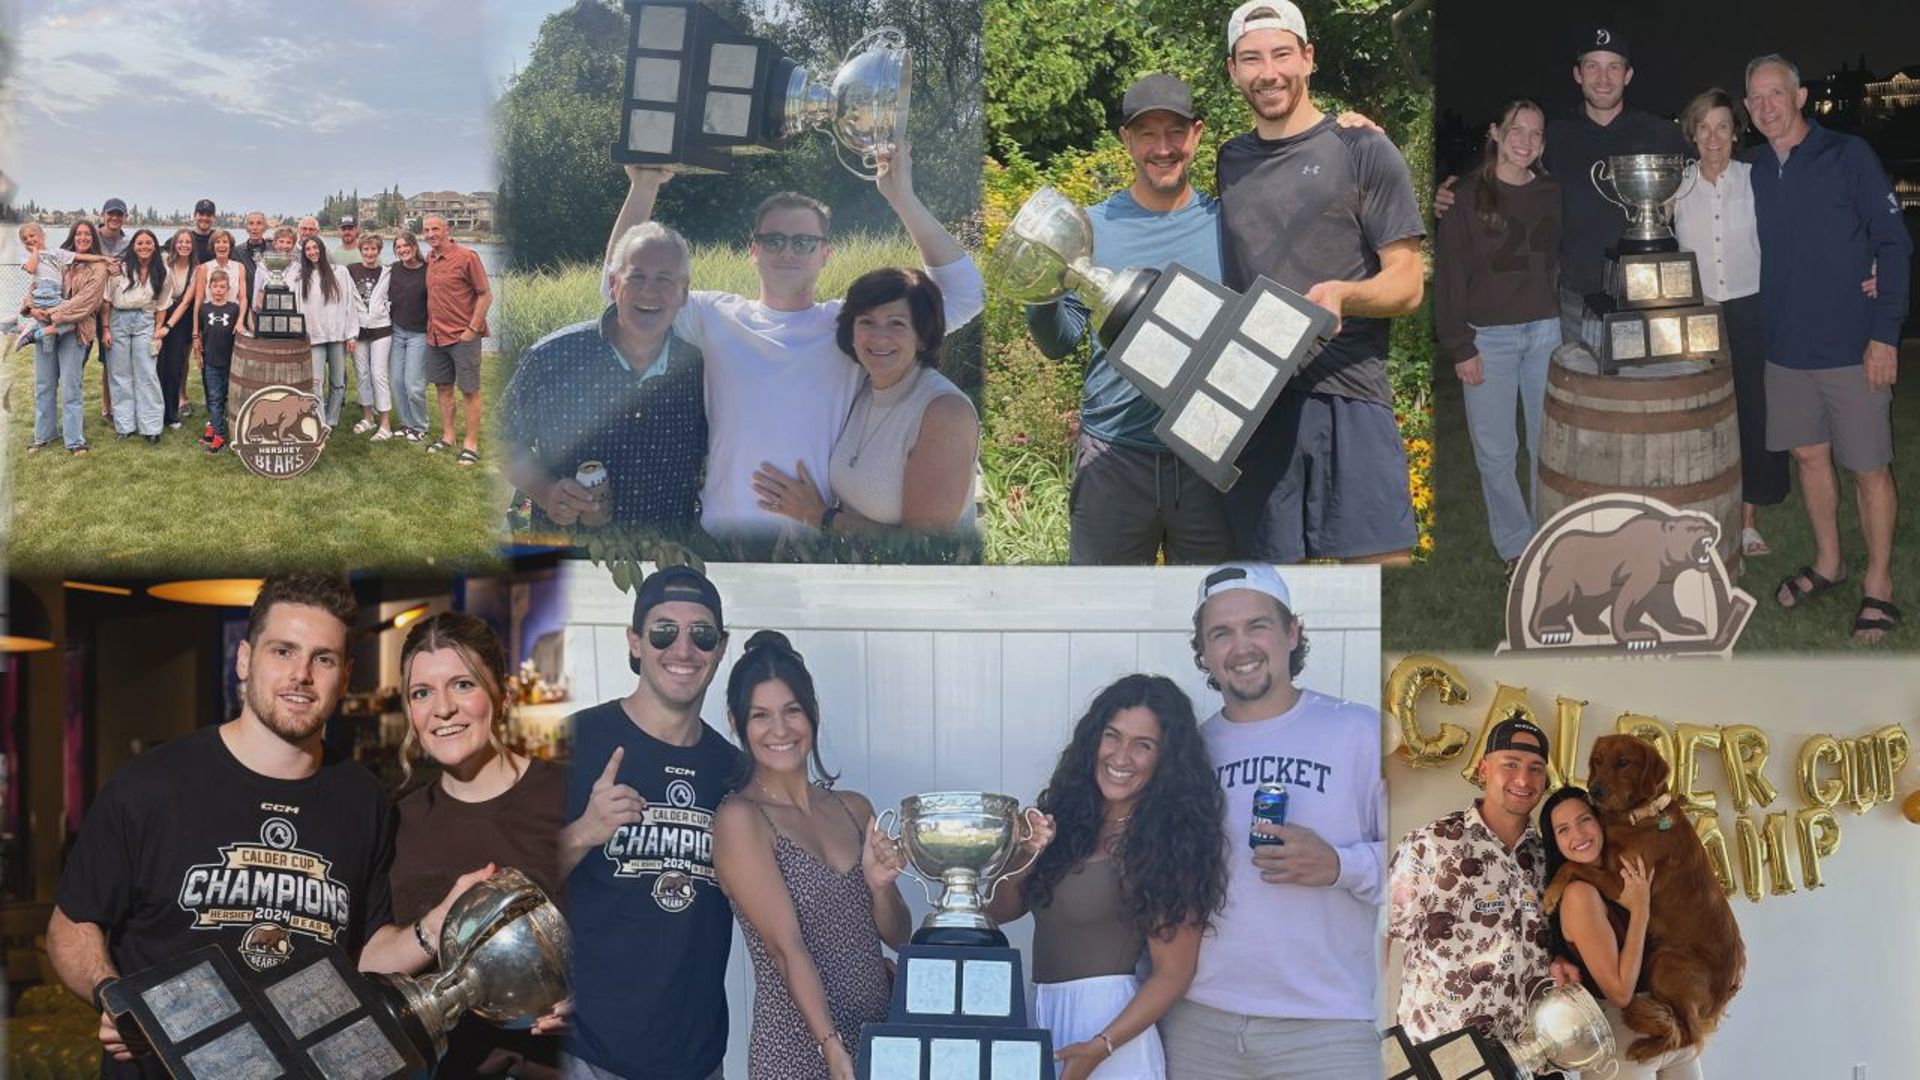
(803, 243)
(704, 636)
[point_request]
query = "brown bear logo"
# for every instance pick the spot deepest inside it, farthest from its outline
(280, 420)
(1614, 582)
(266, 945)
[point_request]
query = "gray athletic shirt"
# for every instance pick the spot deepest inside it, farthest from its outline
(1313, 207)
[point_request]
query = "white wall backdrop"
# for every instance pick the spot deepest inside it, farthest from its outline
(1830, 973)
(940, 678)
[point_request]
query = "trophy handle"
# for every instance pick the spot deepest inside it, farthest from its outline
(869, 162)
(1027, 817)
(1691, 178)
(907, 870)
(1600, 172)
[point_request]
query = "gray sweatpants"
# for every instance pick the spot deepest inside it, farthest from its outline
(1203, 1043)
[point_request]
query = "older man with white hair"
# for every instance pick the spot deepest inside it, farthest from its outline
(622, 390)
(1828, 218)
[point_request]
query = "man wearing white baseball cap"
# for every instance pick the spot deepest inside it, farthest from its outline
(1329, 212)
(1286, 984)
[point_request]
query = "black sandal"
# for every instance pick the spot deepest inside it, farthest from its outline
(1802, 594)
(1886, 625)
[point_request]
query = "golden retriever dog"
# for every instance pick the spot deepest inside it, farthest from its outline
(1695, 960)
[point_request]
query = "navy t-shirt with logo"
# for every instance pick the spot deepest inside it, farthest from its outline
(186, 847)
(651, 927)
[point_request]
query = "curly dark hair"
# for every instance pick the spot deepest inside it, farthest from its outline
(1173, 862)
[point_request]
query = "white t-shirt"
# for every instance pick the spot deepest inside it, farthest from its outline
(1292, 951)
(778, 389)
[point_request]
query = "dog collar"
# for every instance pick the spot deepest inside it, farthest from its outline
(1657, 806)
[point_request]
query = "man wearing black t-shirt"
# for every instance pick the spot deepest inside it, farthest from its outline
(1328, 212)
(244, 835)
(650, 991)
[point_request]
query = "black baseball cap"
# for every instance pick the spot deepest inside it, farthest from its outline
(113, 206)
(672, 583)
(204, 206)
(1503, 733)
(1156, 92)
(1602, 39)
(346, 221)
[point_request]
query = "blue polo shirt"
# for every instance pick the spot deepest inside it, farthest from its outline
(1827, 216)
(1127, 234)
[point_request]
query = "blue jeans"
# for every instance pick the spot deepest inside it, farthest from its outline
(1515, 360)
(128, 359)
(57, 366)
(330, 378)
(213, 380)
(408, 363)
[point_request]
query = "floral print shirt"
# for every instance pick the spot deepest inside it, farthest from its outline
(1468, 911)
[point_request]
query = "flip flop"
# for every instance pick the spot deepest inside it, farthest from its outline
(1885, 625)
(1752, 543)
(1801, 594)
(439, 445)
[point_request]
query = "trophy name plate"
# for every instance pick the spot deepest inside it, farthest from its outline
(959, 1013)
(1654, 279)
(1620, 337)
(278, 318)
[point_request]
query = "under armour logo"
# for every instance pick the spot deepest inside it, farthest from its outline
(1309, 170)
(219, 318)
(1603, 37)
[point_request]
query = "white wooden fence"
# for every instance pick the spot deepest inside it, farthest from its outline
(943, 678)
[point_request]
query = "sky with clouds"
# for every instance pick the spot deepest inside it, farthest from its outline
(259, 104)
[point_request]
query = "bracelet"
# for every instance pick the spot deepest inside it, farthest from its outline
(827, 516)
(1105, 1041)
(420, 939)
(821, 1044)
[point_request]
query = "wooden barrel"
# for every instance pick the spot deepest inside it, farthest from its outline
(259, 362)
(1669, 431)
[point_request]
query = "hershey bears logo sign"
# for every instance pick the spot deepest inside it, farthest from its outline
(279, 432)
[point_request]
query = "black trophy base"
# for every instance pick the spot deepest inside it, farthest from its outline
(1626, 337)
(1138, 286)
(1629, 246)
(893, 1051)
(966, 937)
(1658, 280)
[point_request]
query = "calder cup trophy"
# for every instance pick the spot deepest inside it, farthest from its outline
(1565, 1030)
(278, 317)
(697, 88)
(1047, 250)
(959, 1003)
(505, 956)
(1650, 308)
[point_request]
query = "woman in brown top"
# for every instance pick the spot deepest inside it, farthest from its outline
(57, 364)
(1131, 856)
(1497, 310)
(811, 879)
(1606, 939)
(488, 806)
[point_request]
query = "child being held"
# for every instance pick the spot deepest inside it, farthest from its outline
(47, 267)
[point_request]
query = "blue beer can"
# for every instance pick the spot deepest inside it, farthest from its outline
(1269, 805)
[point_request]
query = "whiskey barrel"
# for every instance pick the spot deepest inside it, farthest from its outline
(1668, 431)
(259, 362)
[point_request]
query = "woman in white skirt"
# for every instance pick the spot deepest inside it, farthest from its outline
(1130, 860)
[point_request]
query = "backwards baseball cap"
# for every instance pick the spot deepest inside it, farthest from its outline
(1259, 577)
(1265, 15)
(672, 583)
(113, 206)
(1156, 92)
(1602, 39)
(204, 206)
(1502, 737)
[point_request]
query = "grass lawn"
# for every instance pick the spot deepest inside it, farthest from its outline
(132, 508)
(1455, 601)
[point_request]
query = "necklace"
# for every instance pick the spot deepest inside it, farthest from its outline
(868, 426)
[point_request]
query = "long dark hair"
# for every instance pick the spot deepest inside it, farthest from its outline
(155, 268)
(67, 244)
(1557, 941)
(322, 266)
(769, 656)
(1173, 861)
(1486, 186)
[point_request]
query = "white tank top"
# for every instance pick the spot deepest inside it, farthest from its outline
(868, 470)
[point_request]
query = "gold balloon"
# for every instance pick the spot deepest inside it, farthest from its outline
(1862, 774)
(1509, 702)
(1817, 749)
(1650, 729)
(1911, 808)
(1814, 848)
(1707, 828)
(1411, 677)
(1747, 839)
(1688, 740)
(1744, 750)
(1566, 743)
(1896, 745)
(1779, 874)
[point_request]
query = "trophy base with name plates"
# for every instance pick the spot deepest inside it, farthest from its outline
(959, 1012)
(1564, 1030)
(1627, 336)
(1650, 309)
(313, 1018)
(277, 317)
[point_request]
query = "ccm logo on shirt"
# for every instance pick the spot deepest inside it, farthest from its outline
(279, 808)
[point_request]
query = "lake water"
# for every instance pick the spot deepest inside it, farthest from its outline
(493, 256)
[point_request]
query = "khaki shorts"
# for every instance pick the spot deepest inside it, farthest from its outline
(1810, 406)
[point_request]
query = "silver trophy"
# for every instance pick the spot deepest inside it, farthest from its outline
(1645, 187)
(505, 956)
(279, 316)
(1565, 1030)
(1047, 250)
(962, 838)
(863, 108)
